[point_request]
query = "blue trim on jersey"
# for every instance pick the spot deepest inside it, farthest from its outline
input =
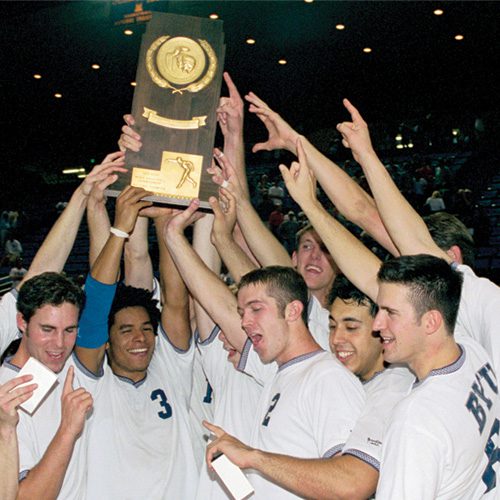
(333, 451)
(130, 381)
(213, 335)
(446, 370)
(14, 292)
(309, 307)
(23, 474)
(244, 356)
(85, 370)
(300, 358)
(373, 377)
(9, 365)
(176, 349)
(454, 265)
(368, 459)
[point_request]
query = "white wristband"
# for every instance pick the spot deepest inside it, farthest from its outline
(118, 232)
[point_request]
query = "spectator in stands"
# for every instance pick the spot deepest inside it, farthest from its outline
(276, 193)
(17, 273)
(4, 228)
(435, 202)
(13, 250)
(275, 219)
(288, 230)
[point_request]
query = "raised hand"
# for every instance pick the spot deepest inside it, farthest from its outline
(104, 174)
(184, 218)
(224, 210)
(129, 139)
(128, 205)
(11, 398)
(299, 179)
(355, 134)
(239, 453)
(230, 112)
(281, 135)
(225, 176)
(75, 404)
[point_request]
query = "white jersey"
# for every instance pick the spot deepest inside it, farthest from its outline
(383, 391)
(36, 432)
(442, 439)
(236, 399)
(478, 313)
(307, 410)
(8, 324)
(140, 443)
(318, 323)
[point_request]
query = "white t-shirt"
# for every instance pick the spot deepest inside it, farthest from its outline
(236, 399)
(8, 324)
(479, 313)
(36, 432)
(318, 323)
(443, 435)
(307, 410)
(383, 391)
(140, 444)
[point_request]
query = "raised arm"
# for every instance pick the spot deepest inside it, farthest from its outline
(349, 198)
(262, 243)
(56, 247)
(205, 287)
(100, 286)
(406, 228)
(358, 264)
(235, 259)
(174, 294)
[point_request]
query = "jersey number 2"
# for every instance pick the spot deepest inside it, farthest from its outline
(167, 409)
(275, 400)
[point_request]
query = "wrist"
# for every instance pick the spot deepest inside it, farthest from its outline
(119, 233)
(291, 141)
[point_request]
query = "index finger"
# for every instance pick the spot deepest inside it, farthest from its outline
(215, 429)
(233, 91)
(11, 384)
(68, 383)
(352, 110)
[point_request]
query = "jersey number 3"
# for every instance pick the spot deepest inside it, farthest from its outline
(167, 409)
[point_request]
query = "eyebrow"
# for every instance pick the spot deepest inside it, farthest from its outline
(123, 327)
(348, 318)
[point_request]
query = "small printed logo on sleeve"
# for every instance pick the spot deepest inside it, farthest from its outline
(374, 442)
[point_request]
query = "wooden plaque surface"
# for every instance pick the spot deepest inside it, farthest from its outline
(179, 78)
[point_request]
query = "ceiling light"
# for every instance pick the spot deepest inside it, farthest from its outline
(57, 95)
(95, 66)
(81, 176)
(399, 146)
(367, 50)
(410, 144)
(459, 37)
(78, 170)
(399, 137)
(134, 84)
(455, 131)
(340, 27)
(438, 12)
(308, 1)
(128, 32)
(282, 61)
(36, 76)
(214, 16)
(250, 41)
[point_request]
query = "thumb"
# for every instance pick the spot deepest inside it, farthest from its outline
(68, 383)
(285, 173)
(214, 205)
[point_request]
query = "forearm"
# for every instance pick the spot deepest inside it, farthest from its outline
(107, 265)
(234, 149)
(44, 481)
(336, 478)
(406, 227)
(263, 244)
(235, 259)
(359, 265)
(138, 266)
(349, 198)
(9, 463)
(56, 247)
(99, 224)
(205, 287)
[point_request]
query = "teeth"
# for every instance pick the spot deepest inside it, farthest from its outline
(137, 350)
(313, 268)
(344, 354)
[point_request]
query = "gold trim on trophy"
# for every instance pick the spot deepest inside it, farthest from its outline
(195, 122)
(178, 177)
(181, 61)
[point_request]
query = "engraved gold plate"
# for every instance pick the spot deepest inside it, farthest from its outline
(181, 63)
(178, 177)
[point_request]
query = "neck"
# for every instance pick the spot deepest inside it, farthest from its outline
(443, 355)
(376, 368)
(301, 343)
(21, 356)
(321, 296)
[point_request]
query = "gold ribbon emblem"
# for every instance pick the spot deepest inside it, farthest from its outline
(194, 123)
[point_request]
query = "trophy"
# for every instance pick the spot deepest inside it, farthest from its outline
(179, 78)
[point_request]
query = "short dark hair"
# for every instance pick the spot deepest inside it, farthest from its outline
(447, 230)
(298, 235)
(344, 290)
(432, 284)
(48, 289)
(283, 284)
(130, 296)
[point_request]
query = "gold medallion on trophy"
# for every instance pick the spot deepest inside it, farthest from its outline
(181, 63)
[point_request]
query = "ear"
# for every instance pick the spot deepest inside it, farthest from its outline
(432, 321)
(21, 322)
(293, 310)
(294, 258)
(455, 253)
